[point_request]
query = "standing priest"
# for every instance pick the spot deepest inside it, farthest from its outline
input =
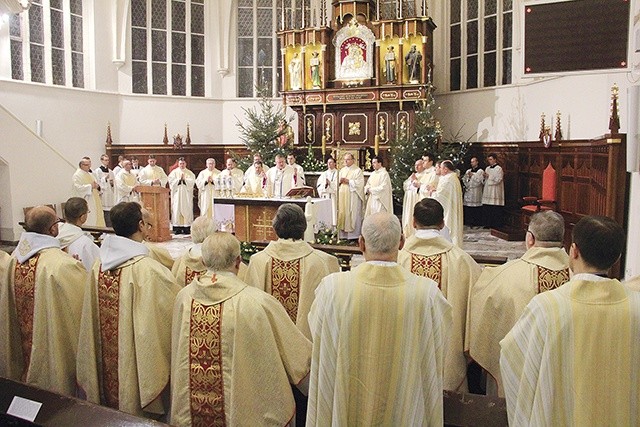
(378, 189)
(350, 199)
(206, 183)
(181, 182)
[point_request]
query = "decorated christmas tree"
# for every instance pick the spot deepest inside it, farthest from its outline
(426, 139)
(265, 130)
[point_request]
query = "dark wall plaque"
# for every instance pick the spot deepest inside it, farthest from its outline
(576, 35)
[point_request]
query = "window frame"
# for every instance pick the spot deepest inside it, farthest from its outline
(500, 50)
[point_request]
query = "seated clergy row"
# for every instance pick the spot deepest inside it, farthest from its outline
(235, 350)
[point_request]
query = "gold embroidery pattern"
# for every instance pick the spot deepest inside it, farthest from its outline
(428, 266)
(24, 292)
(108, 310)
(551, 279)
(190, 274)
(285, 284)
(205, 365)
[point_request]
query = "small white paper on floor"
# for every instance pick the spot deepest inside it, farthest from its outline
(24, 408)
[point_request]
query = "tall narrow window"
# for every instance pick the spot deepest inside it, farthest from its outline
(167, 47)
(259, 60)
(480, 43)
(40, 50)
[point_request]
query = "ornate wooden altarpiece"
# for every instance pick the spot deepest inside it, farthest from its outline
(354, 80)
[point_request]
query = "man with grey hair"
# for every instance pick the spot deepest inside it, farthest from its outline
(379, 335)
(289, 268)
(40, 308)
(190, 266)
(206, 183)
(86, 186)
(500, 295)
(223, 327)
(350, 198)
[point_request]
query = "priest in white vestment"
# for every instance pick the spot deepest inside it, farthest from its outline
(499, 297)
(105, 178)
(449, 194)
(298, 177)
(232, 175)
(256, 182)
(493, 193)
(573, 356)
(40, 307)
(411, 187)
(350, 199)
(289, 268)
(181, 183)
(378, 189)
(190, 266)
(473, 180)
(124, 350)
(257, 157)
(235, 352)
(379, 339)
(73, 239)
(327, 187)
(280, 178)
(86, 186)
(152, 174)
(428, 254)
(126, 183)
(429, 179)
(206, 183)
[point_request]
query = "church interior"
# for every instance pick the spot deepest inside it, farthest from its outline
(176, 78)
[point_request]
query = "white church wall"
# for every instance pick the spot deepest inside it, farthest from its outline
(73, 125)
(142, 119)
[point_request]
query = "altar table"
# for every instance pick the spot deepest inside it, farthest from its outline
(251, 216)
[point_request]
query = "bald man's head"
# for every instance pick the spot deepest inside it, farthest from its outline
(42, 220)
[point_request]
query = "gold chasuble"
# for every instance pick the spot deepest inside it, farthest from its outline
(160, 254)
(428, 255)
(633, 283)
(499, 297)
(234, 355)
(40, 308)
(350, 200)
(290, 271)
(82, 188)
(572, 357)
(379, 335)
(125, 337)
(189, 266)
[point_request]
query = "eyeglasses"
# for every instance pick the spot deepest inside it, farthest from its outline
(59, 220)
(529, 231)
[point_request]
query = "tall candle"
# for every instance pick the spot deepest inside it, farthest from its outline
(376, 144)
(324, 145)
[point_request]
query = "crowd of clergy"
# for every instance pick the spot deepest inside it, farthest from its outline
(289, 339)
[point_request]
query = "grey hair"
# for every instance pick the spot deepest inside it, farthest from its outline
(289, 222)
(220, 251)
(201, 228)
(381, 232)
(547, 227)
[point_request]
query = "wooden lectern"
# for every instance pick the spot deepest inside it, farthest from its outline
(156, 200)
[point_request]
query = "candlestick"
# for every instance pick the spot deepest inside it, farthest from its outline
(376, 144)
(324, 145)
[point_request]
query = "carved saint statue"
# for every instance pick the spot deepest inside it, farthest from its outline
(295, 72)
(413, 59)
(390, 65)
(314, 64)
